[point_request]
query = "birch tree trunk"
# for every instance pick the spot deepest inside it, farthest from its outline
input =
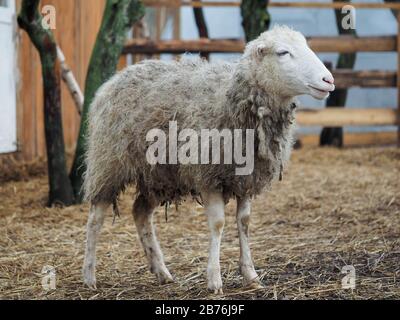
(119, 16)
(70, 81)
(29, 19)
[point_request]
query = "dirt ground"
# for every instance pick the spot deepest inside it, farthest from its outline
(333, 208)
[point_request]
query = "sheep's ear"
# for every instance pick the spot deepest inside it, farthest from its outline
(261, 51)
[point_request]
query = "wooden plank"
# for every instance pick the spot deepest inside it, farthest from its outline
(194, 4)
(342, 44)
(122, 63)
(351, 44)
(338, 117)
(355, 139)
(369, 138)
(346, 78)
(26, 96)
(320, 5)
(40, 140)
(90, 17)
(145, 46)
(26, 99)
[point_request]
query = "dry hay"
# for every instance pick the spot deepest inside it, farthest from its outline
(12, 169)
(333, 208)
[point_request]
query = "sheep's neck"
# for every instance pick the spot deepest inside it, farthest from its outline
(249, 105)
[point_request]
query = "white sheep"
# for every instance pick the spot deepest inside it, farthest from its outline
(257, 93)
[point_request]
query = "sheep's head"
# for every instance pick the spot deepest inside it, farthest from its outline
(283, 62)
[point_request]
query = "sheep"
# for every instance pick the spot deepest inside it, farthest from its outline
(257, 92)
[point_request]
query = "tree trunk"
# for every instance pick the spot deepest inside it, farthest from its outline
(256, 18)
(201, 27)
(118, 18)
(29, 19)
(334, 136)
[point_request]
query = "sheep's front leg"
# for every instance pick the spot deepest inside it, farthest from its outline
(94, 224)
(214, 205)
(143, 215)
(246, 263)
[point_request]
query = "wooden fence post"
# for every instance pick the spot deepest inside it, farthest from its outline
(332, 136)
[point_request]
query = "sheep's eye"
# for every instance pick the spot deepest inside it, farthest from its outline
(282, 53)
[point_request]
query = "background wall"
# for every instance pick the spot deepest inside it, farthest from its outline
(78, 22)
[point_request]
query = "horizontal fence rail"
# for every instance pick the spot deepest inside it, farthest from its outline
(347, 78)
(319, 5)
(341, 44)
(355, 138)
(351, 44)
(144, 46)
(339, 117)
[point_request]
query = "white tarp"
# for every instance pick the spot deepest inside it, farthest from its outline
(8, 121)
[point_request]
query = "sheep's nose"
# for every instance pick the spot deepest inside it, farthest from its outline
(328, 79)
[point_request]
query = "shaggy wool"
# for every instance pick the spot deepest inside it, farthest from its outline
(197, 95)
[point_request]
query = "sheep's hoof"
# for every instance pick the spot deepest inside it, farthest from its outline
(218, 292)
(89, 278)
(91, 284)
(255, 284)
(216, 287)
(166, 280)
(164, 277)
(92, 287)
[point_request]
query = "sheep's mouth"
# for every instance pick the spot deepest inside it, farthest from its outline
(321, 90)
(320, 93)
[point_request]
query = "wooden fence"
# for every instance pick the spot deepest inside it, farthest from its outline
(336, 116)
(77, 26)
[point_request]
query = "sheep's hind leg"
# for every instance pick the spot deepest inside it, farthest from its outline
(94, 224)
(143, 215)
(214, 204)
(246, 263)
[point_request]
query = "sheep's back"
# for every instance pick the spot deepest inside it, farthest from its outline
(142, 97)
